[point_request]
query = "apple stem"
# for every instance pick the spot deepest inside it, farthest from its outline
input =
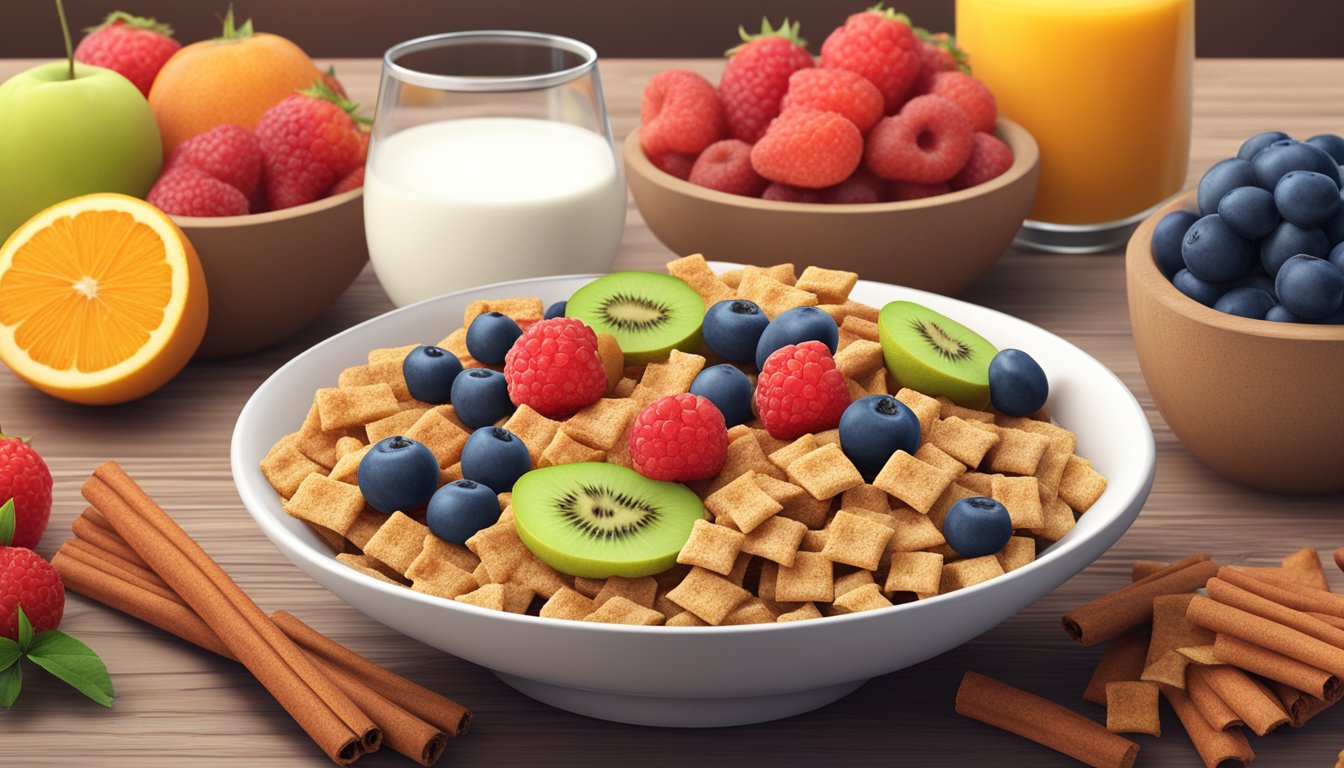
(65, 29)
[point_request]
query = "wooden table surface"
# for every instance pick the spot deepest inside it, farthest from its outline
(177, 704)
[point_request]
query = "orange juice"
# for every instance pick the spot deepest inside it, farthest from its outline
(1103, 85)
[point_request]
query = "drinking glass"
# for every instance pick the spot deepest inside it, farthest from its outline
(1105, 88)
(491, 159)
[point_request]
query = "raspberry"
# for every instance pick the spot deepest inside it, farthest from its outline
(862, 187)
(783, 193)
(878, 44)
(309, 141)
(937, 53)
(726, 166)
(836, 90)
(187, 191)
(24, 477)
(673, 163)
(989, 158)
(927, 142)
(132, 46)
(229, 153)
(679, 113)
(971, 95)
(757, 76)
(28, 580)
(554, 367)
(679, 438)
(900, 191)
(800, 390)
(808, 148)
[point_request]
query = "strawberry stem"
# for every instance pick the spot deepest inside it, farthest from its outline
(232, 32)
(65, 30)
(134, 22)
(320, 90)
(786, 30)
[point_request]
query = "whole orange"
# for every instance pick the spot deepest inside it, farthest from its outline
(230, 79)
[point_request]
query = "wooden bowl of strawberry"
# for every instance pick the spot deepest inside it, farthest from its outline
(882, 157)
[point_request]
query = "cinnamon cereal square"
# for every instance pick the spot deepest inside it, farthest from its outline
(500, 549)
(808, 511)
(780, 490)
(954, 493)
(771, 295)
(392, 355)
(857, 541)
(695, 272)
(776, 539)
(536, 431)
(832, 286)
(852, 580)
(328, 503)
(600, 424)
(784, 273)
(966, 573)
(365, 526)
(524, 311)
(624, 388)
(932, 454)
(709, 596)
(876, 383)
(639, 591)
(672, 376)
(913, 532)
(743, 502)
(918, 572)
(957, 438)
(435, 548)
(753, 611)
(440, 578)
(567, 604)
(979, 483)
(368, 566)
(860, 328)
(825, 472)
(456, 342)
(712, 547)
(808, 579)
(860, 358)
(814, 541)
(744, 455)
(389, 373)
(685, 619)
(394, 424)
(1017, 452)
(865, 598)
(620, 610)
(1019, 551)
(441, 434)
(1081, 485)
(1051, 470)
(314, 443)
(538, 576)
(354, 406)
(285, 467)
(1058, 521)
(398, 542)
(866, 497)
(926, 409)
(950, 409)
(912, 481)
(1022, 497)
(564, 449)
(803, 445)
(807, 611)
(1061, 439)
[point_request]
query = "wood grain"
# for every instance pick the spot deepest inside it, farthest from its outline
(176, 704)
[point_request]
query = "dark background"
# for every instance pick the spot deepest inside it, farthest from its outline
(624, 28)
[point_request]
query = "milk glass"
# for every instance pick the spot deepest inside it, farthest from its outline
(491, 159)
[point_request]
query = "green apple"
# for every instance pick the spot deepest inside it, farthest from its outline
(62, 137)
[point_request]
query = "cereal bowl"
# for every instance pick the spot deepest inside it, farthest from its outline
(704, 676)
(1256, 401)
(940, 244)
(270, 274)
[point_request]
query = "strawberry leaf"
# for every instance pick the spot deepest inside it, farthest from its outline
(11, 682)
(134, 22)
(6, 523)
(25, 630)
(74, 663)
(9, 653)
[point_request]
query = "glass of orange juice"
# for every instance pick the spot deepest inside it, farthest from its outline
(1104, 87)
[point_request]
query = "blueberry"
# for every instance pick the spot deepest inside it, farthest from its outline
(1259, 141)
(1249, 211)
(1167, 239)
(977, 526)
(797, 325)
(875, 427)
(555, 310)
(1337, 256)
(1280, 314)
(429, 372)
(1213, 252)
(1337, 318)
(1309, 287)
(733, 327)
(728, 389)
(1017, 385)
(461, 508)
(1334, 228)
(1221, 178)
(1256, 279)
(1288, 240)
(490, 336)
(1332, 144)
(1245, 302)
(1204, 292)
(1286, 155)
(481, 397)
(397, 474)
(1306, 198)
(495, 457)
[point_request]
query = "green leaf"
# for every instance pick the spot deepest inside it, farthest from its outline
(9, 653)
(6, 523)
(25, 630)
(74, 663)
(11, 682)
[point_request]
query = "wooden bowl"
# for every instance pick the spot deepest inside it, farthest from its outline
(939, 244)
(1257, 401)
(270, 274)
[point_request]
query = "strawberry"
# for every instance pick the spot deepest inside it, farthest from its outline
(878, 44)
(185, 190)
(971, 95)
(24, 477)
(989, 158)
(835, 90)
(679, 112)
(726, 166)
(29, 581)
(937, 53)
(808, 148)
(927, 142)
(230, 153)
(309, 142)
(132, 46)
(757, 77)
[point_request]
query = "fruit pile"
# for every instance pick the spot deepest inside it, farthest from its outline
(890, 112)
(651, 432)
(1268, 240)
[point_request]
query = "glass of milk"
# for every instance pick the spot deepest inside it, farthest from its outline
(491, 159)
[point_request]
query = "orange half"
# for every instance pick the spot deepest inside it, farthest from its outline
(102, 300)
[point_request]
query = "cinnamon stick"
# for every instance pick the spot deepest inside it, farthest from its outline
(1214, 746)
(1122, 659)
(1226, 620)
(1215, 711)
(1142, 569)
(1031, 717)
(1114, 612)
(1301, 706)
(1254, 704)
(1339, 558)
(319, 707)
(1304, 565)
(1285, 591)
(1275, 666)
(1241, 599)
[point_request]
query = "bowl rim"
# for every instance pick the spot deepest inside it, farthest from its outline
(285, 540)
(267, 217)
(1140, 264)
(1026, 156)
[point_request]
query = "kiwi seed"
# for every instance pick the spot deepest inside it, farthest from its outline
(634, 314)
(601, 513)
(940, 341)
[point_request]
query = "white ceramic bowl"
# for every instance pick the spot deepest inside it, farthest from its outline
(704, 676)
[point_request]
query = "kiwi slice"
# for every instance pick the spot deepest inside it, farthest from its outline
(935, 354)
(599, 520)
(648, 313)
